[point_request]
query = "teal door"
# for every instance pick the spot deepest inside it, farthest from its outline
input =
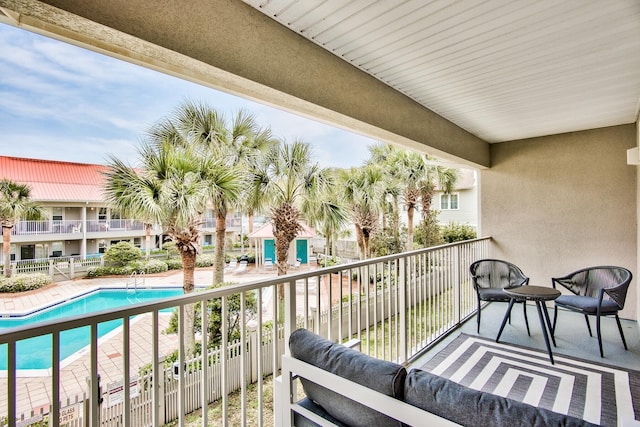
(301, 251)
(270, 250)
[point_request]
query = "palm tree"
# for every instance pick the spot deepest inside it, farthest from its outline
(169, 189)
(237, 144)
(362, 192)
(15, 205)
(418, 180)
(445, 178)
(286, 183)
(328, 213)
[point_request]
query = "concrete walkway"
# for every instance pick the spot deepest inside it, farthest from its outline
(34, 388)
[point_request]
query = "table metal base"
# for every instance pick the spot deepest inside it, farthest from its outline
(545, 323)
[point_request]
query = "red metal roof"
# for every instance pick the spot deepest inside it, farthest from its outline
(55, 181)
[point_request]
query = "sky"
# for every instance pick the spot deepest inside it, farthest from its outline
(62, 102)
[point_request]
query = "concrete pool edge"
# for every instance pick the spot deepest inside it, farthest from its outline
(43, 373)
(21, 314)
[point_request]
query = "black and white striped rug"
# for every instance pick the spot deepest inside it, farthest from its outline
(597, 393)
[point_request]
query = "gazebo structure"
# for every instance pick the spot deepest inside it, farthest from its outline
(300, 248)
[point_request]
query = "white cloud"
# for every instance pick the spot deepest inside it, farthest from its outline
(59, 101)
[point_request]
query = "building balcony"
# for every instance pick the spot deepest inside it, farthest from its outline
(35, 228)
(403, 308)
(75, 228)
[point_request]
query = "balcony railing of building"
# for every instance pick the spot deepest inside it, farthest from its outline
(396, 305)
(210, 222)
(75, 226)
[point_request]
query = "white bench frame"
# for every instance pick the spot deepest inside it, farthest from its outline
(286, 399)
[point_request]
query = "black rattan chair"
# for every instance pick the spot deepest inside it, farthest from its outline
(597, 291)
(491, 276)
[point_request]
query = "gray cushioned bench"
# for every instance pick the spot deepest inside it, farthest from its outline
(344, 387)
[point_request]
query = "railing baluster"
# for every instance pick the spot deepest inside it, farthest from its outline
(306, 303)
(404, 304)
(259, 361)
(11, 383)
(155, 370)
(316, 325)
(95, 397)
(182, 371)
(126, 366)
(204, 355)
(243, 358)
(223, 360)
(341, 280)
(55, 379)
(383, 338)
(330, 304)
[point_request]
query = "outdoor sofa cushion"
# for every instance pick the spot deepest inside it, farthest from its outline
(385, 377)
(469, 407)
(587, 304)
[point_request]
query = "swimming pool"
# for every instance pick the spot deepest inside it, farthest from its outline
(35, 353)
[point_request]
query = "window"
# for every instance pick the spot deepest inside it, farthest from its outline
(448, 202)
(56, 214)
(102, 215)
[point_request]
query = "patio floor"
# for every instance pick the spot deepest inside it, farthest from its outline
(572, 337)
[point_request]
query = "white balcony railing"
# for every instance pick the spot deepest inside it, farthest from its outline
(75, 226)
(396, 305)
(47, 227)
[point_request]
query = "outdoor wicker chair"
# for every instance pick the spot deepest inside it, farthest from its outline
(491, 276)
(596, 291)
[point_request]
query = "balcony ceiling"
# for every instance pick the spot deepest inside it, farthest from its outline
(501, 69)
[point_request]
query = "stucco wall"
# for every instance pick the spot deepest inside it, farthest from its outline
(559, 203)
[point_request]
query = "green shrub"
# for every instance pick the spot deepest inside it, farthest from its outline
(458, 232)
(215, 315)
(150, 266)
(328, 262)
(108, 270)
(121, 254)
(171, 249)
(174, 263)
(427, 233)
(24, 282)
(205, 260)
(92, 272)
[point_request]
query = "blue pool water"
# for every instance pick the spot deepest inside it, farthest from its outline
(35, 353)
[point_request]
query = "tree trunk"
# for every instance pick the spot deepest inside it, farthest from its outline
(282, 256)
(251, 221)
(6, 250)
(410, 211)
(218, 254)
(147, 232)
(188, 269)
(360, 241)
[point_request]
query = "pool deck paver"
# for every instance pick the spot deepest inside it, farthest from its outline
(33, 393)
